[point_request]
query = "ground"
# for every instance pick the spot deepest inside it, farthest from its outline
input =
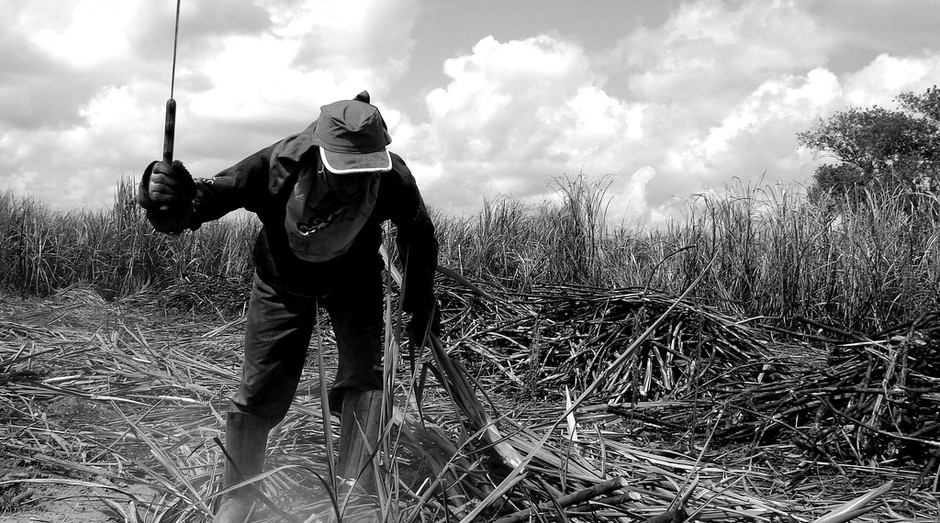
(58, 501)
(109, 411)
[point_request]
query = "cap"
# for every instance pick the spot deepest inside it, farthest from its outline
(352, 136)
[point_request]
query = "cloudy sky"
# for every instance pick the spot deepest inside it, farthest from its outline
(664, 98)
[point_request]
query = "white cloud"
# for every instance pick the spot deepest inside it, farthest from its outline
(243, 81)
(514, 115)
(255, 89)
(774, 103)
(757, 135)
(629, 198)
(341, 36)
(251, 79)
(887, 76)
(713, 50)
(726, 86)
(80, 33)
(718, 90)
(598, 122)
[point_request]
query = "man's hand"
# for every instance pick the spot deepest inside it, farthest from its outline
(170, 186)
(167, 193)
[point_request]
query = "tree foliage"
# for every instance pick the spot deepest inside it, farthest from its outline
(876, 148)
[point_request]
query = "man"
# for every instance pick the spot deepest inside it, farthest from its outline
(321, 196)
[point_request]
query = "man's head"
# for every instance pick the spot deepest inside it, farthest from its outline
(352, 136)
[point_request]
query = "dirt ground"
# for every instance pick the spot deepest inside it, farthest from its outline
(35, 485)
(57, 501)
(76, 372)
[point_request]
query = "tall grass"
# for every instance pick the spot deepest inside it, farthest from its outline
(115, 250)
(522, 244)
(777, 255)
(774, 253)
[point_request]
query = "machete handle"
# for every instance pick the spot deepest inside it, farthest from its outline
(169, 131)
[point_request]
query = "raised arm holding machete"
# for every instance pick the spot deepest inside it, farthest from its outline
(169, 186)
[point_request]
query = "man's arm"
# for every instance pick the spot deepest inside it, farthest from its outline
(416, 240)
(244, 185)
(175, 202)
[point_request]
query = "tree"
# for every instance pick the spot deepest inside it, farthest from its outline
(846, 180)
(877, 148)
(926, 105)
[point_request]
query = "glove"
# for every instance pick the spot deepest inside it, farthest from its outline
(424, 320)
(167, 193)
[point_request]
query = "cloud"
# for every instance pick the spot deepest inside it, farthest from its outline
(899, 27)
(48, 68)
(759, 131)
(887, 76)
(756, 137)
(202, 27)
(255, 89)
(714, 50)
(726, 86)
(716, 90)
(628, 198)
(84, 84)
(719, 91)
(76, 32)
(513, 115)
(78, 164)
(335, 35)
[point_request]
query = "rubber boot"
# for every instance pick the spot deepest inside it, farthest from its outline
(357, 469)
(246, 438)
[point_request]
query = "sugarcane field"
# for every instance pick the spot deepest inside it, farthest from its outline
(412, 261)
(756, 362)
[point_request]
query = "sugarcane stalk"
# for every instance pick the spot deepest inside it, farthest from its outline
(566, 501)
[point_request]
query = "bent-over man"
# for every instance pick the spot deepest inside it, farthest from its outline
(321, 196)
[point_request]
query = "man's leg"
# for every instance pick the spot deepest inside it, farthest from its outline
(246, 439)
(355, 309)
(277, 334)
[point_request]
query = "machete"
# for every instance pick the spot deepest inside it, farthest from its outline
(169, 129)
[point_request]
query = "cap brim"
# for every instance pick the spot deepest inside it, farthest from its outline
(348, 163)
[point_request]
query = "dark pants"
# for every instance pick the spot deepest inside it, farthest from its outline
(277, 335)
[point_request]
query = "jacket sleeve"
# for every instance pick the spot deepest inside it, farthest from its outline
(257, 181)
(244, 185)
(416, 241)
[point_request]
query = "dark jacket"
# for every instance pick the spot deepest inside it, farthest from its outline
(262, 184)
